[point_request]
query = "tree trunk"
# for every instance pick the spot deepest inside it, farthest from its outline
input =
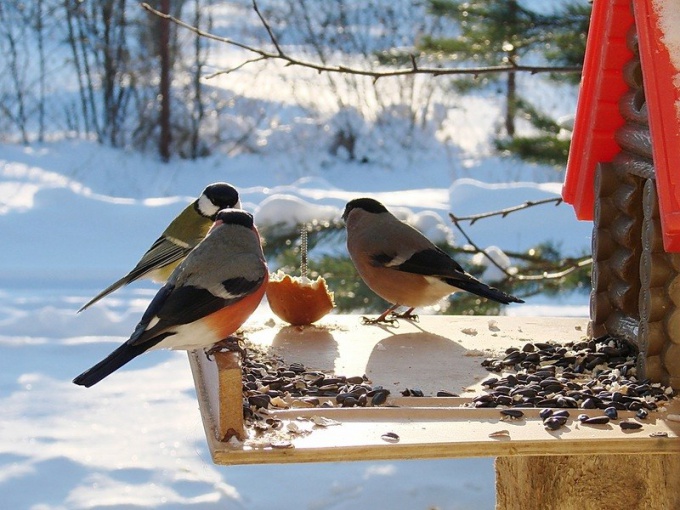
(511, 84)
(198, 111)
(511, 104)
(10, 21)
(40, 35)
(165, 62)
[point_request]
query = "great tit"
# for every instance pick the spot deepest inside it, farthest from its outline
(179, 238)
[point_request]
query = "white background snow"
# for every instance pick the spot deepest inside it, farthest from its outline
(75, 215)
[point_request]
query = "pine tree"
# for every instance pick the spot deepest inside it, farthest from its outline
(491, 33)
(505, 32)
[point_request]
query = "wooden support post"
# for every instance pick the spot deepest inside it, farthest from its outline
(575, 482)
(230, 421)
(220, 391)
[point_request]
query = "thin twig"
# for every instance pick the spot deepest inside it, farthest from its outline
(504, 212)
(586, 261)
(543, 276)
(269, 30)
(478, 249)
(241, 65)
(289, 60)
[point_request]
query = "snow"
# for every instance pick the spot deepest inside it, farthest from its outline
(75, 215)
(492, 272)
(290, 211)
(667, 11)
(669, 18)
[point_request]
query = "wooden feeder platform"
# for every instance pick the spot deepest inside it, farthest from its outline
(437, 353)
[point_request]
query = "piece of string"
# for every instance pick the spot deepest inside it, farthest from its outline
(303, 252)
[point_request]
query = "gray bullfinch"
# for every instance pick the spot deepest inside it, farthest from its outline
(205, 300)
(179, 238)
(401, 265)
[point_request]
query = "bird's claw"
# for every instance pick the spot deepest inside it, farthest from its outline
(409, 316)
(389, 320)
(229, 344)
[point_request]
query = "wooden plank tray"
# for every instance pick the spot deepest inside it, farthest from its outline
(440, 352)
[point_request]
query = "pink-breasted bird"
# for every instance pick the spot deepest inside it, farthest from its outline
(179, 238)
(401, 265)
(205, 300)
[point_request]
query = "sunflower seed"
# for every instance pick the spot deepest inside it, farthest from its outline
(390, 437)
(630, 425)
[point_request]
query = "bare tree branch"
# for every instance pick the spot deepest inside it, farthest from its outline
(586, 261)
(272, 38)
(504, 212)
(478, 249)
(559, 272)
(240, 66)
(289, 60)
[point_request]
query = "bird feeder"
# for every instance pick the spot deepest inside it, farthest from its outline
(620, 174)
(440, 355)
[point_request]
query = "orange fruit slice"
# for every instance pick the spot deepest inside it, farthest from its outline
(298, 300)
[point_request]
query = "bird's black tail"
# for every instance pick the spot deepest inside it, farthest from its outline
(113, 362)
(481, 289)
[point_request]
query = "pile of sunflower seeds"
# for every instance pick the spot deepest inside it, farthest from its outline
(269, 383)
(595, 374)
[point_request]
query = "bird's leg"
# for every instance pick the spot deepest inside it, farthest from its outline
(229, 344)
(408, 315)
(383, 318)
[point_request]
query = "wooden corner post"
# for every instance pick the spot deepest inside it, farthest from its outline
(220, 386)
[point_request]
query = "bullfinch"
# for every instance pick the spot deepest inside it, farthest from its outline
(205, 300)
(179, 238)
(401, 265)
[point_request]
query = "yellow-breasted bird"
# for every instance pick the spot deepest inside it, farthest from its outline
(179, 238)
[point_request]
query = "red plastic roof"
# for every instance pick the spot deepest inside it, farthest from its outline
(662, 97)
(598, 117)
(597, 110)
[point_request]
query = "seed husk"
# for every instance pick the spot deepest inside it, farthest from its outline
(500, 434)
(281, 444)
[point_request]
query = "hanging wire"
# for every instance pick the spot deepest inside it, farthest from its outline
(303, 251)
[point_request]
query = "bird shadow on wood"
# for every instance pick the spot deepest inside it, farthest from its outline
(313, 346)
(421, 360)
